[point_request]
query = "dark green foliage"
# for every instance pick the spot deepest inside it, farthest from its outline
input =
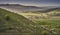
(7, 18)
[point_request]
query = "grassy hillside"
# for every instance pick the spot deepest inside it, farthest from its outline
(14, 24)
(11, 23)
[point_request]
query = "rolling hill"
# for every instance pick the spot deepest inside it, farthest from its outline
(14, 24)
(11, 23)
(21, 8)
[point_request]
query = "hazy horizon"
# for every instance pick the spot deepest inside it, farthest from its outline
(32, 2)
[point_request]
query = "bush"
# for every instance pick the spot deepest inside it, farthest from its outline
(7, 18)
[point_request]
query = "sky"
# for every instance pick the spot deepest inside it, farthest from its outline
(33, 2)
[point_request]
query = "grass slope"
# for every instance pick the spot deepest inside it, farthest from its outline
(14, 24)
(11, 23)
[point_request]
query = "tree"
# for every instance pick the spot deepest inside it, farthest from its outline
(7, 18)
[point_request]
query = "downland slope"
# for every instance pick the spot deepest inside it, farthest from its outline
(14, 24)
(11, 23)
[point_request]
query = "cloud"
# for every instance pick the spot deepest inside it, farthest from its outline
(34, 2)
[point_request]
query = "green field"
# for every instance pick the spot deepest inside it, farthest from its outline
(15, 24)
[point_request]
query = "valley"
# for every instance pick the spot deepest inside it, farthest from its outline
(29, 20)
